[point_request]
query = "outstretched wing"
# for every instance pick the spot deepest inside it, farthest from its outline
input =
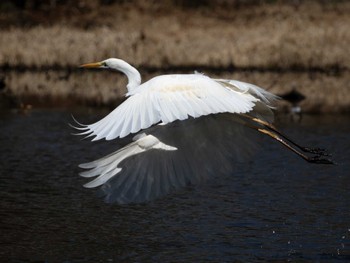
(168, 98)
(171, 157)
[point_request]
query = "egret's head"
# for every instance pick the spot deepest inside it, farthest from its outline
(111, 63)
(133, 75)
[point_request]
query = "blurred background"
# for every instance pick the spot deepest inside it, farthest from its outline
(273, 208)
(282, 46)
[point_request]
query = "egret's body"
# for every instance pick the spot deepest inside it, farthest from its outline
(187, 126)
(168, 98)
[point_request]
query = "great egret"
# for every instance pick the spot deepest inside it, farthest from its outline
(188, 127)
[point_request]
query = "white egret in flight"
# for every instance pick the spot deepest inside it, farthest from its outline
(179, 130)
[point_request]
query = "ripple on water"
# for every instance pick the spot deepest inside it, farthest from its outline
(274, 208)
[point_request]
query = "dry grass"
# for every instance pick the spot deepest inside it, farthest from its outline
(52, 87)
(269, 37)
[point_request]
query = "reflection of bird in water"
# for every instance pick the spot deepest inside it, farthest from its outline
(178, 130)
(294, 97)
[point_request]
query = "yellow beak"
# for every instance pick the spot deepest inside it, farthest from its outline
(91, 65)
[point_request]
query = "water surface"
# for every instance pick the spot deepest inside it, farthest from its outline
(274, 207)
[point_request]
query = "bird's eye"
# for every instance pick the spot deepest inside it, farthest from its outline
(104, 64)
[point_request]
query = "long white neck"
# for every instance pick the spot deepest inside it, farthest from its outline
(134, 77)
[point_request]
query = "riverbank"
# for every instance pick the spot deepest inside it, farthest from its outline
(286, 45)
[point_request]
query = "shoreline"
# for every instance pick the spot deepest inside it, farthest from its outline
(325, 93)
(331, 69)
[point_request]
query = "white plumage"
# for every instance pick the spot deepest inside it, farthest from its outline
(190, 130)
(175, 97)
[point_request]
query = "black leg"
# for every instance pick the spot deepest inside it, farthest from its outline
(317, 151)
(313, 159)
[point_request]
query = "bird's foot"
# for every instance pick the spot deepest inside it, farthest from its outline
(318, 159)
(318, 151)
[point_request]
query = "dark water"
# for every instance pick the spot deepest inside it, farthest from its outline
(274, 208)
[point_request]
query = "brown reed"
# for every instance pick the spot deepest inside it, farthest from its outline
(272, 36)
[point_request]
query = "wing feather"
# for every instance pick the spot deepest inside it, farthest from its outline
(178, 106)
(260, 93)
(175, 97)
(145, 169)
